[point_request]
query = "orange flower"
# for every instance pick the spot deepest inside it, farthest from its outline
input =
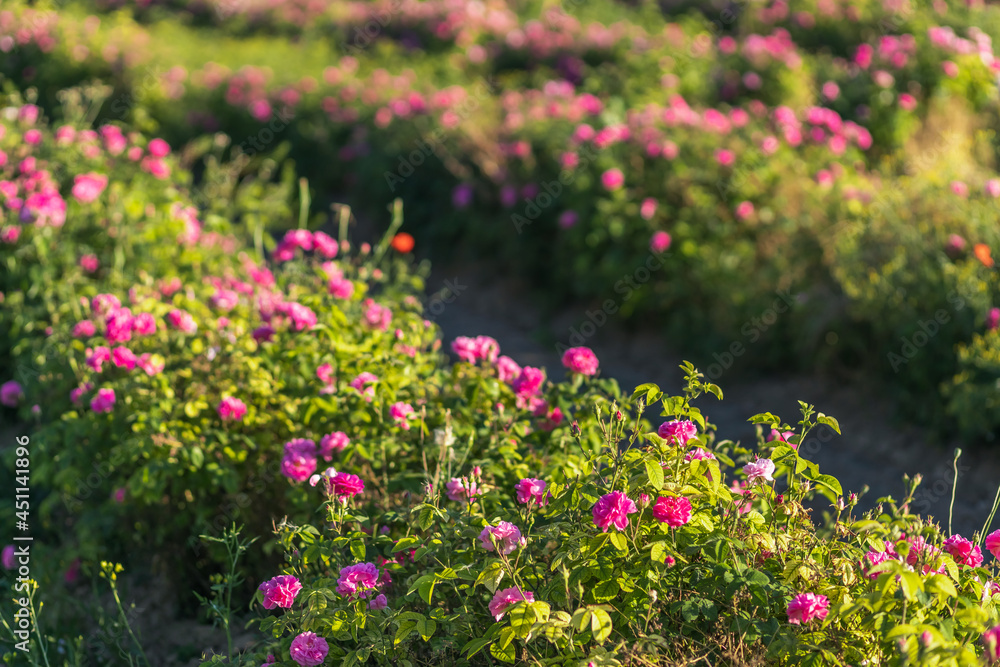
(983, 254)
(404, 243)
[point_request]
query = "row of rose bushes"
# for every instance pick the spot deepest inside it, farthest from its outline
(584, 168)
(619, 541)
(199, 383)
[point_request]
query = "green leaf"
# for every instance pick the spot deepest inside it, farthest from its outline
(654, 471)
(765, 418)
(490, 577)
(405, 543)
(197, 457)
(939, 584)
(600, 624)
(426, 517)
(426, 628)
(425, 586)
(581, 619)
(829, 421)
(620, 542)
(910, 583)
(606, 590)
(829, 486)
(358, 549)
(522, 618)
(405, 628)
(475, 646)
(502, 649)
(597, 542)
(713, 389)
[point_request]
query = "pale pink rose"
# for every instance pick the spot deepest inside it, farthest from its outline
(503, 600)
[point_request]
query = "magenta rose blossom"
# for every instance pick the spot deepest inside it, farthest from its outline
(529, 490)
(380, 602)
(507, 369)
(359, 580)
(309, 649)
(659, 242)
(805, 607)
(613, 509)
(963, 551)
(612, 179)
(299, 461)
(144, 324)
(11, 393)
(104, 401)
(991, 638)
(122, 357)
(461, 489)
(96, 358)
(507, 597)
(88, 187)
(677, 432)
(580, 360)
(400, 413)
(182, 321)
(506, 535)
(674, 512)
(344, 485)
(529, 382)
(232, 409)
(280, 591)
(84, 329)
(992, 543)
(334, 443)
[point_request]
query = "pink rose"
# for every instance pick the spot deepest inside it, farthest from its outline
(344, 485)
(7, 557)
(122, 357)
(232, 409)
(507, 369)
(88, 187)
(613, 509)
(532, 490)
(299, 461)
(505, 535)
(461, 489)
(759, 470)
(104, 401)
(280, 591)
(580, 360)
(992, 543)
(309, 649)
(674, 512)
(612, 179)
(677, 432)
(805, 607)
(334, 443)
(659, 242)
(400, 413)
(503, 600)
(359, 580)
(963, 551)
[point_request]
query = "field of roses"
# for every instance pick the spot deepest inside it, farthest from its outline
(840, 153)
(216, 379)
